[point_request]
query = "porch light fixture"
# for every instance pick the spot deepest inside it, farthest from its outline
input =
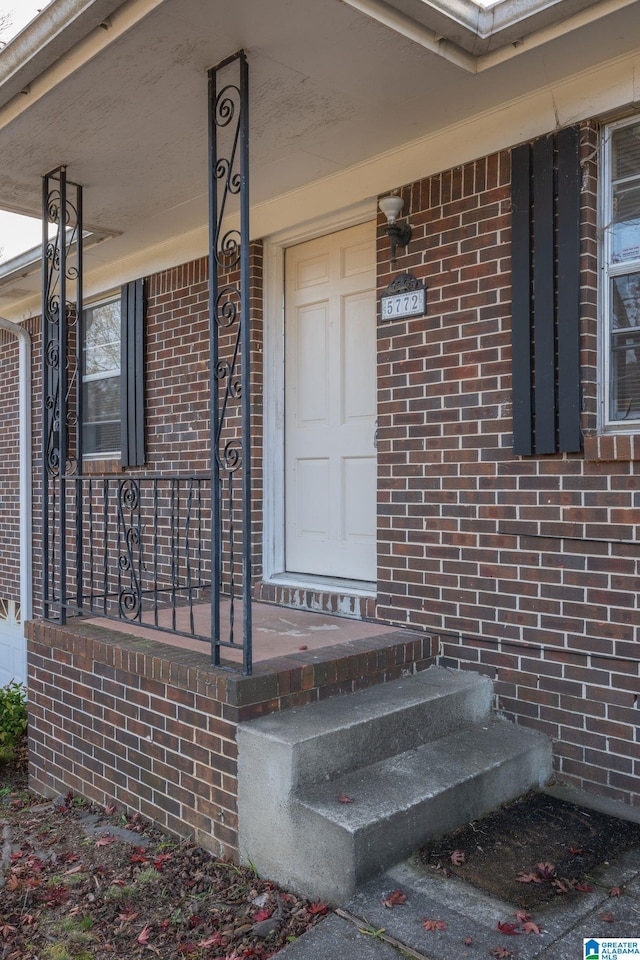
(398, 233)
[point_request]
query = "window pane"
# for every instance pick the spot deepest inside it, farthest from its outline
(625, 347)
(101, 438)
(101, 385)
(102, 338)
(625, 214)
(625, 227)
(626, 152)
(101, 415)
(102, 399)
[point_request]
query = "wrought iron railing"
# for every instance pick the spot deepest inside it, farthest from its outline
(146, 556)
(155, 550)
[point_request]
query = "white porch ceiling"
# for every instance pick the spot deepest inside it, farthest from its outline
(330, 88)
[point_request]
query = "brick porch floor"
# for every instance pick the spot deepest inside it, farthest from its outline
(277, 631)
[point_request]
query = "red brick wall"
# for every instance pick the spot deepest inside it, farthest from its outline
(9, 458)
(153, 727)
(526, 567)
(9, 470)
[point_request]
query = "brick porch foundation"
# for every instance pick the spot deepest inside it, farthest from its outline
(153, 727)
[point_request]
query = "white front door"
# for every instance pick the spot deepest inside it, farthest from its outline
(330, 405)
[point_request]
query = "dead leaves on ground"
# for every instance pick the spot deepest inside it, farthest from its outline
(317, 909)
(79, 877)
(433, 925)
(546, 871)
(530, 877)
(523, 924)
(394, 899)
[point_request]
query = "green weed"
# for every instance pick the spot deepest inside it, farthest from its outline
(13, 718)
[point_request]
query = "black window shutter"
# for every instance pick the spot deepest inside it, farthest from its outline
(521, 300)
(545, 195)
(132, 373)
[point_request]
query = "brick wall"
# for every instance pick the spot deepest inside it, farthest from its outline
(9, 470)
(526, 567)
(9, 458)
(154, 727)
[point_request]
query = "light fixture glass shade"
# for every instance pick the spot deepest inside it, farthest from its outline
(391, 207)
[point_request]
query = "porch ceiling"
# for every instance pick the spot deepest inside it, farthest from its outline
(330, 88)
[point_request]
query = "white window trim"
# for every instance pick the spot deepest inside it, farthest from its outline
(608, 270)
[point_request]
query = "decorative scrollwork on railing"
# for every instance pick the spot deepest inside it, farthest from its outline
(230, 344)
(228, 108)
(129, 591)
(229, 250)
(61, 256)
(228, 304)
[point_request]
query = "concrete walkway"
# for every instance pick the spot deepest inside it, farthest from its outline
(358, 931)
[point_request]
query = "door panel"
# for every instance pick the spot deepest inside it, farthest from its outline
(330, 405)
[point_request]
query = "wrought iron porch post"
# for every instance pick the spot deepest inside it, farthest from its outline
(60, 376)
(229, 312)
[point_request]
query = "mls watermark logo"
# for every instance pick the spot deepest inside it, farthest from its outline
(628, 949)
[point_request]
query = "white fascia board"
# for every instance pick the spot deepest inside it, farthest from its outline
(485, 22)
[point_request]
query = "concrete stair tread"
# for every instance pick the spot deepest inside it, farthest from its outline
(347, 732)
(397, 784)
(371, 704)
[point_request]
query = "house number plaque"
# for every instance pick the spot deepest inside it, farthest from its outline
(404, 297)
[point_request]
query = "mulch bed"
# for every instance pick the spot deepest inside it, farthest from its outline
(78, 883)
(532, 850)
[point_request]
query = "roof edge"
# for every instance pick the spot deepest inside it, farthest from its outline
(55, 31)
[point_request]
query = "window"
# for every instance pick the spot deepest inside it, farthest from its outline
(113, 377)
(101, 379)
(621, 261)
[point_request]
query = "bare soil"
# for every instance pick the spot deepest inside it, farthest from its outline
(532, 850)
(78, 882)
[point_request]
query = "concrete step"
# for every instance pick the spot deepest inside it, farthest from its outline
(419, 756)
(323, 739)
(400, 802)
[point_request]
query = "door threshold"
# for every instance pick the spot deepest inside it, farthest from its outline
(354, 599)
(307, 581)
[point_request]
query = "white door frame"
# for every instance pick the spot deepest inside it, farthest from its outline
(273, 505)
